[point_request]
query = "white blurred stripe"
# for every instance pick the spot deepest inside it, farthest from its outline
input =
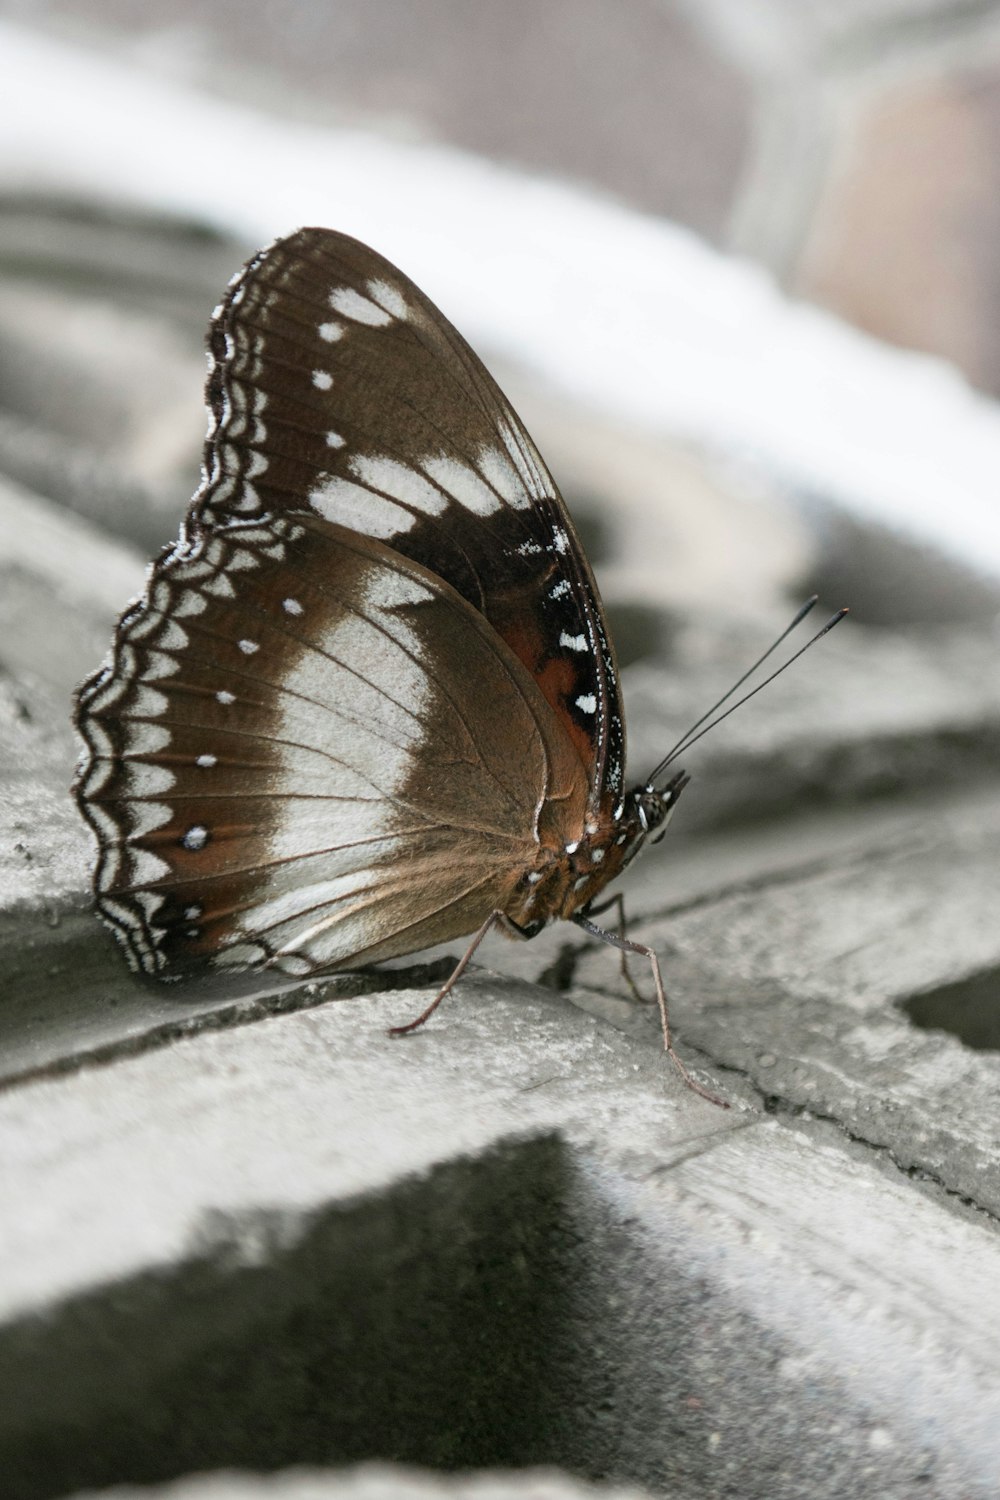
(618, 309)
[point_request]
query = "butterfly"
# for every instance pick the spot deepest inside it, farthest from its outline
(368, 702)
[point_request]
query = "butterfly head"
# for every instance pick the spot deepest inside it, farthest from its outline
(568, 879)
(641, 818)
(648, 809)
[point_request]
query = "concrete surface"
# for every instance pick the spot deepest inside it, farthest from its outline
(513, 1238)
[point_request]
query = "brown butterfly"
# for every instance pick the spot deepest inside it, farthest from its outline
(368, 702)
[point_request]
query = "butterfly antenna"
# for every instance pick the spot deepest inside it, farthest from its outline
(675, 749)
(696, 731)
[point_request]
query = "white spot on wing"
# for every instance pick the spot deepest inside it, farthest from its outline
(402, 590)
(220, 587)
(350, 304)
(352, 505)
(146, 739)
(573, 642)
(240, 955)
(249, 647)
(334, 440)
(145, 868)
(498, 472)
(196, 838)
(389, 297)
(225, 697)
(291, 606)
(205, 761)
(401, 482)
(462, 484)
(322, 380)
(144, 780)
(189, 603)
(148, 703)
(145, 817)
(587, 703)
(330, 332)
(172, 638)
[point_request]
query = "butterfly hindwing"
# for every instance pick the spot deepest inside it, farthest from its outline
(337, 388)
(283, 763)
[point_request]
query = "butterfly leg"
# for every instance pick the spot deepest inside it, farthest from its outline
(452, 980)
(617, 901)
(624, 943)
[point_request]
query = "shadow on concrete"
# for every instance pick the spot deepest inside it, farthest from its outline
(968, 1009)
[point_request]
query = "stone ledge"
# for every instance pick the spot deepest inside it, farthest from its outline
(229, 1223)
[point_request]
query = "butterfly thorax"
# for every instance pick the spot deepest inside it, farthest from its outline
(566, 880)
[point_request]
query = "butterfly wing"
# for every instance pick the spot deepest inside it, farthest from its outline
(337, 388)
(285, 761)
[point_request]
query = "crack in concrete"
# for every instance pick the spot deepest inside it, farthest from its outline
(781, 1108)
(775, 879)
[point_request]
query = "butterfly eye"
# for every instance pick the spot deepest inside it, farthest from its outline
(655, 807)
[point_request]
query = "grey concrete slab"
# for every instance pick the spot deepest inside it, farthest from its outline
(519, 1212)
(61, 584)
(64, 583)
(805, 981)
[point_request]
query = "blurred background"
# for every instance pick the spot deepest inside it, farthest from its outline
(733, 260)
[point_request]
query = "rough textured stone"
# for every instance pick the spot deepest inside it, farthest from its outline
(515, 1237)
(800, 981)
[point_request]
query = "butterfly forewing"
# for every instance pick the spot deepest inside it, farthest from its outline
(338, 389)
(283, 764)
